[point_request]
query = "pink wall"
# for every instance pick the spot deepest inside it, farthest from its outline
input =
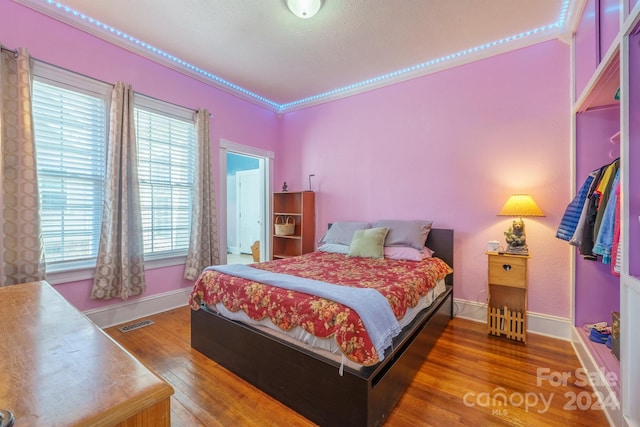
(451, 146)
(59, 44)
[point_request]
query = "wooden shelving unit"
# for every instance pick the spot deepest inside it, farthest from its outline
(300, 206)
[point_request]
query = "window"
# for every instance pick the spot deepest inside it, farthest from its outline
(166, 157)
(71, 130)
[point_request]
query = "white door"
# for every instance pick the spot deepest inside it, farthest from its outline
(249, 210)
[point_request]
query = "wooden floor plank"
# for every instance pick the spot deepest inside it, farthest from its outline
(460, 382)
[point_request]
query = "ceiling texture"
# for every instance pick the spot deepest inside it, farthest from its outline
(260, 51)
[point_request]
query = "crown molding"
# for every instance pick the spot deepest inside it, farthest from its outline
(440, 64)
(563, 29)
(105, 32)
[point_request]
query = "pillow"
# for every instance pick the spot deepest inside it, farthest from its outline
(368, 243)
(407, 253)
(341, 232)
(334, 248)
(406, 233)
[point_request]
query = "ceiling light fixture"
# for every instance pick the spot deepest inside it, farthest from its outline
(304, 8)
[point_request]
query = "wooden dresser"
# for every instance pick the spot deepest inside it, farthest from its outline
(57, 368)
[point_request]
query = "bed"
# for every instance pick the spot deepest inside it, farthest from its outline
(316, 384)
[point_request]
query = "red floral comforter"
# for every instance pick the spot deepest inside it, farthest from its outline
(401, 282)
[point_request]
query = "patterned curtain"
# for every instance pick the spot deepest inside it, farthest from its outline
(120, 263)
(203, 246)
(21, 246)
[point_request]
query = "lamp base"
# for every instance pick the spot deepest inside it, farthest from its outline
(517, 250)
(6, 418)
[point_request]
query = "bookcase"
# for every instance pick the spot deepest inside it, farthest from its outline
(297, 207)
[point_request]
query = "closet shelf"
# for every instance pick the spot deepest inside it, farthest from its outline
(600, 92)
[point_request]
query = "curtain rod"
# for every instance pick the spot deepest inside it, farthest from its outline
(111, 84)
(15, 53)
(6, 49)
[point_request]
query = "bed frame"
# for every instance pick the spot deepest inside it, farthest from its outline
(310, 384)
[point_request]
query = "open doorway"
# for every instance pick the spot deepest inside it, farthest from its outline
(245, 201)
(246, 184)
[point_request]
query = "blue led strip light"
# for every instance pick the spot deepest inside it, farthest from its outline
(563, 13)
(162, 53)
(283, 107)
(393, 74)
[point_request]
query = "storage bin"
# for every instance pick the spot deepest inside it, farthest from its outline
(285, 227)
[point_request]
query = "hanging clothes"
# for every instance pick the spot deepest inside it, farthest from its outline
(573, 211)
(591, 221)
(604, 190)
(593, 201)
(604, 237)
(617, 243)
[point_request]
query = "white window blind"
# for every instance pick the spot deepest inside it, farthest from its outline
(70, 133)
(71, 125)
(166, 156)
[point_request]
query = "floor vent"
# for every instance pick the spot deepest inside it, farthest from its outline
(136, 325)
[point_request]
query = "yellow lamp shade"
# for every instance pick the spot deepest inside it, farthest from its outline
(520, 205)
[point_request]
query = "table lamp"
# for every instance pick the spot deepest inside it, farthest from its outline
(518, 205)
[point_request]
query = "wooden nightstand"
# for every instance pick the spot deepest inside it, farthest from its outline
(507, 296)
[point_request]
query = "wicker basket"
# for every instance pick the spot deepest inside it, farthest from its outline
(285, 227)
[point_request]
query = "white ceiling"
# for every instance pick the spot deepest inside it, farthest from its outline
(260, 51)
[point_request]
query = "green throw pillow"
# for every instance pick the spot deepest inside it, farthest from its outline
(368, 243)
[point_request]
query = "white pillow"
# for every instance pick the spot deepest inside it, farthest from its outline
(407, 253)
(334, 248)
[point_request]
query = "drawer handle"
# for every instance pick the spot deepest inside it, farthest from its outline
(506, 267)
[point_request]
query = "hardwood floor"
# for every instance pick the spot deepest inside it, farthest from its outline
(468, 378)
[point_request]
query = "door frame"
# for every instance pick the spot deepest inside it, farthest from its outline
(226, 146)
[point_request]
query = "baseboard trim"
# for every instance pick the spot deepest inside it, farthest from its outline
(471, 310)
(131, 310)
(537, 323)
(601, 383)
(552, 326)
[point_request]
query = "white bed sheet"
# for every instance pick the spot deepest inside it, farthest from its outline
(324, 346)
